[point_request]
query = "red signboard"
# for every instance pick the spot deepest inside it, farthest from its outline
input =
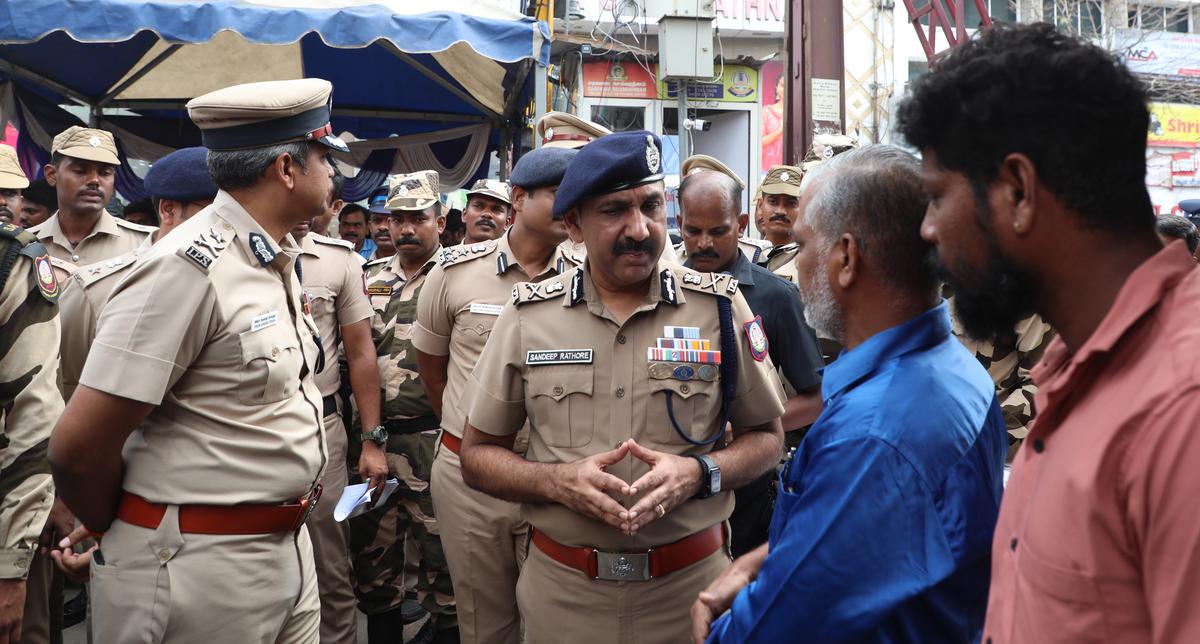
(618, 79)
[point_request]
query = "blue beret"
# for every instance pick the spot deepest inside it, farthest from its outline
(182, 176)
(542, 167)
(609, 164)
(377, 202)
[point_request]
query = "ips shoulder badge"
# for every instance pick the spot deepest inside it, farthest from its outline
(757, 338)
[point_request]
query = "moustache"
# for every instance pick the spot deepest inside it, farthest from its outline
(408, 241)
(779, 217)
(90, 193)
(706, 254)
(633, 246)
(486, 222)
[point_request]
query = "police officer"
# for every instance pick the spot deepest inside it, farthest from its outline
(332, 277)
(484, 537)
(627, 370)
(179, 186)
(754, 249)
(202, 369)
(409, 430)
(564, 130)
(29, 376)
(780, 206)
(487, 211)
(82, 169)
(709, 203)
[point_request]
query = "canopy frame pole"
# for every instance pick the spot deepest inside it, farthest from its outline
(445, 84)
(18, 71)
(539, 98)
(124, 85)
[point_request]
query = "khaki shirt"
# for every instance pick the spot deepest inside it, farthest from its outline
(606, 390)
(337, 292)
(110, 238)
(210, 326)
(394, 311)
(462, 300)
(85, 291)
(779, 259)
(29, 329)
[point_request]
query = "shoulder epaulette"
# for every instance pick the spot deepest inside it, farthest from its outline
(329, 241)
(67, 268)
(20, 235)
(138, 227)
(205, 248)
(465, 252)
(375, 265)
(93, 273)
(526, 292)
(711, 283)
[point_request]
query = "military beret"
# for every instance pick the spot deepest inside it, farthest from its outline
(255, 115)
(182, 176)
(782, 180)
(541, 167)
(416, 191)
(377, 202)
(489, 188)
(701, 162)
(12, 177)
(86, 143)
(616, 162)
(563, 130)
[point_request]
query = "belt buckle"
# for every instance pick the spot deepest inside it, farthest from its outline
(623, 566)
(307, 505)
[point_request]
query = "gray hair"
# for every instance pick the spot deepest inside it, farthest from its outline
(874, 193)
(1177, 227)
(231, 169)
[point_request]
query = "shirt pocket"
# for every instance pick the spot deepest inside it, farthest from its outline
(1053, 599)
(561, 405)
(474, 325)
(695, 406)
(270, 365)
(321, 302)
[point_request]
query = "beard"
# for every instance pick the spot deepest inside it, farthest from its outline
(988, 302)
(821, 310)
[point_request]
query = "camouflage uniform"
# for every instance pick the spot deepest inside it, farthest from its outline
(377, 538)
(30, 402)
(1010, 361)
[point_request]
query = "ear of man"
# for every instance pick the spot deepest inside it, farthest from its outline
(848, 260)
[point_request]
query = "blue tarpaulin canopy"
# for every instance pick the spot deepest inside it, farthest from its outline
(415, 88)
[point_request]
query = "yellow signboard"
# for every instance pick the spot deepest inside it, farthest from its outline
(1174, 125)
(738, 84)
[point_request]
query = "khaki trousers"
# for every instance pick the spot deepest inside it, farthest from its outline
(160, 586)
(330, 541)
(41, 622)
(485, 541)
(561, 604)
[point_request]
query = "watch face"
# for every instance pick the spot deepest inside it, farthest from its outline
(714, 479)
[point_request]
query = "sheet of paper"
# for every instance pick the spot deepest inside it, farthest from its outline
(355, 498)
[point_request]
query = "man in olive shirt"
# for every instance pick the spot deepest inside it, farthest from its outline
(627, 370)
(82, 169)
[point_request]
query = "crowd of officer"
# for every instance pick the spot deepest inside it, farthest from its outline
(586, 434)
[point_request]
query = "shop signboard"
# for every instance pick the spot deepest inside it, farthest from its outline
(628, 79)
(738, 84)
(1165, 53)
(1173, 125)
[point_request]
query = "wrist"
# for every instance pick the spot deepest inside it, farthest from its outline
(695, 476)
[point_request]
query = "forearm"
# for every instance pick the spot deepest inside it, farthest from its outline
(500, 472)
(753, 451)
(89, 486)
(434, 372)
(801, 410)
(364, 380)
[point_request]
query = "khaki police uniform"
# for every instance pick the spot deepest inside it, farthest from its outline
(586, 383)
(210, 326)
(29, 339)
(484, 537)
(332, 277)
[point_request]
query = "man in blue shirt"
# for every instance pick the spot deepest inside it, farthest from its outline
(882, 529)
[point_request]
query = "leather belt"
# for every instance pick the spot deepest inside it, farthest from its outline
(640, 565)
(452, 442)
(413, 425)
(330, 405)
(221, 519)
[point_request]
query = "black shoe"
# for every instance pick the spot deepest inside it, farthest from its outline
(425, 635)
(385, 628)
(75, 611)
(412, 611)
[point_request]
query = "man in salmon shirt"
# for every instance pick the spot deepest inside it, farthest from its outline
(1034, 147)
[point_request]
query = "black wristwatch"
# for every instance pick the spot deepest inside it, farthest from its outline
(710, 477)
(378, 435)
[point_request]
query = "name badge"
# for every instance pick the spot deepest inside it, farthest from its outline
(379, 289)
(263, 321)
(486, 309)
(559, 356)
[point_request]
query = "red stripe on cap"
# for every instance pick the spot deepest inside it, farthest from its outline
(324, 130)
(567, 137)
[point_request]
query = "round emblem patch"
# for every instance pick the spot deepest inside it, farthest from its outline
(653, 159)
(827, 153)
(94, 141)
(46, 281)
(784, 177)
(45, 273)
(757, 338)
(402, 191)
(549, 133)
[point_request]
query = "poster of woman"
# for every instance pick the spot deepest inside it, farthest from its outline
(772, 82)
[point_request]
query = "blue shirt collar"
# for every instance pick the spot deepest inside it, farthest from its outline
(851, 367)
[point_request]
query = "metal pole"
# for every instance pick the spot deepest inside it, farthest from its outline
(539, 100)
(685, 147)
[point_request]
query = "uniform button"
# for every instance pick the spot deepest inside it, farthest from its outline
(1039, 446)
(479, 328)
(620, 392)
(621, 339)
(75, 258)
(164, 555)
(684, 389)
(227, 226)
(21, 563)
(558, 390)
(1013, 544)
(275, 352)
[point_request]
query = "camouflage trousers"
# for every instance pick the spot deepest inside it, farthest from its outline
(377, 538)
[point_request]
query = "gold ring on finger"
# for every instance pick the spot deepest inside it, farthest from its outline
(662, 512)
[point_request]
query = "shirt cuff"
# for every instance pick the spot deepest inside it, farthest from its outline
(430, 343)
(108, 369)
(14, 564)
